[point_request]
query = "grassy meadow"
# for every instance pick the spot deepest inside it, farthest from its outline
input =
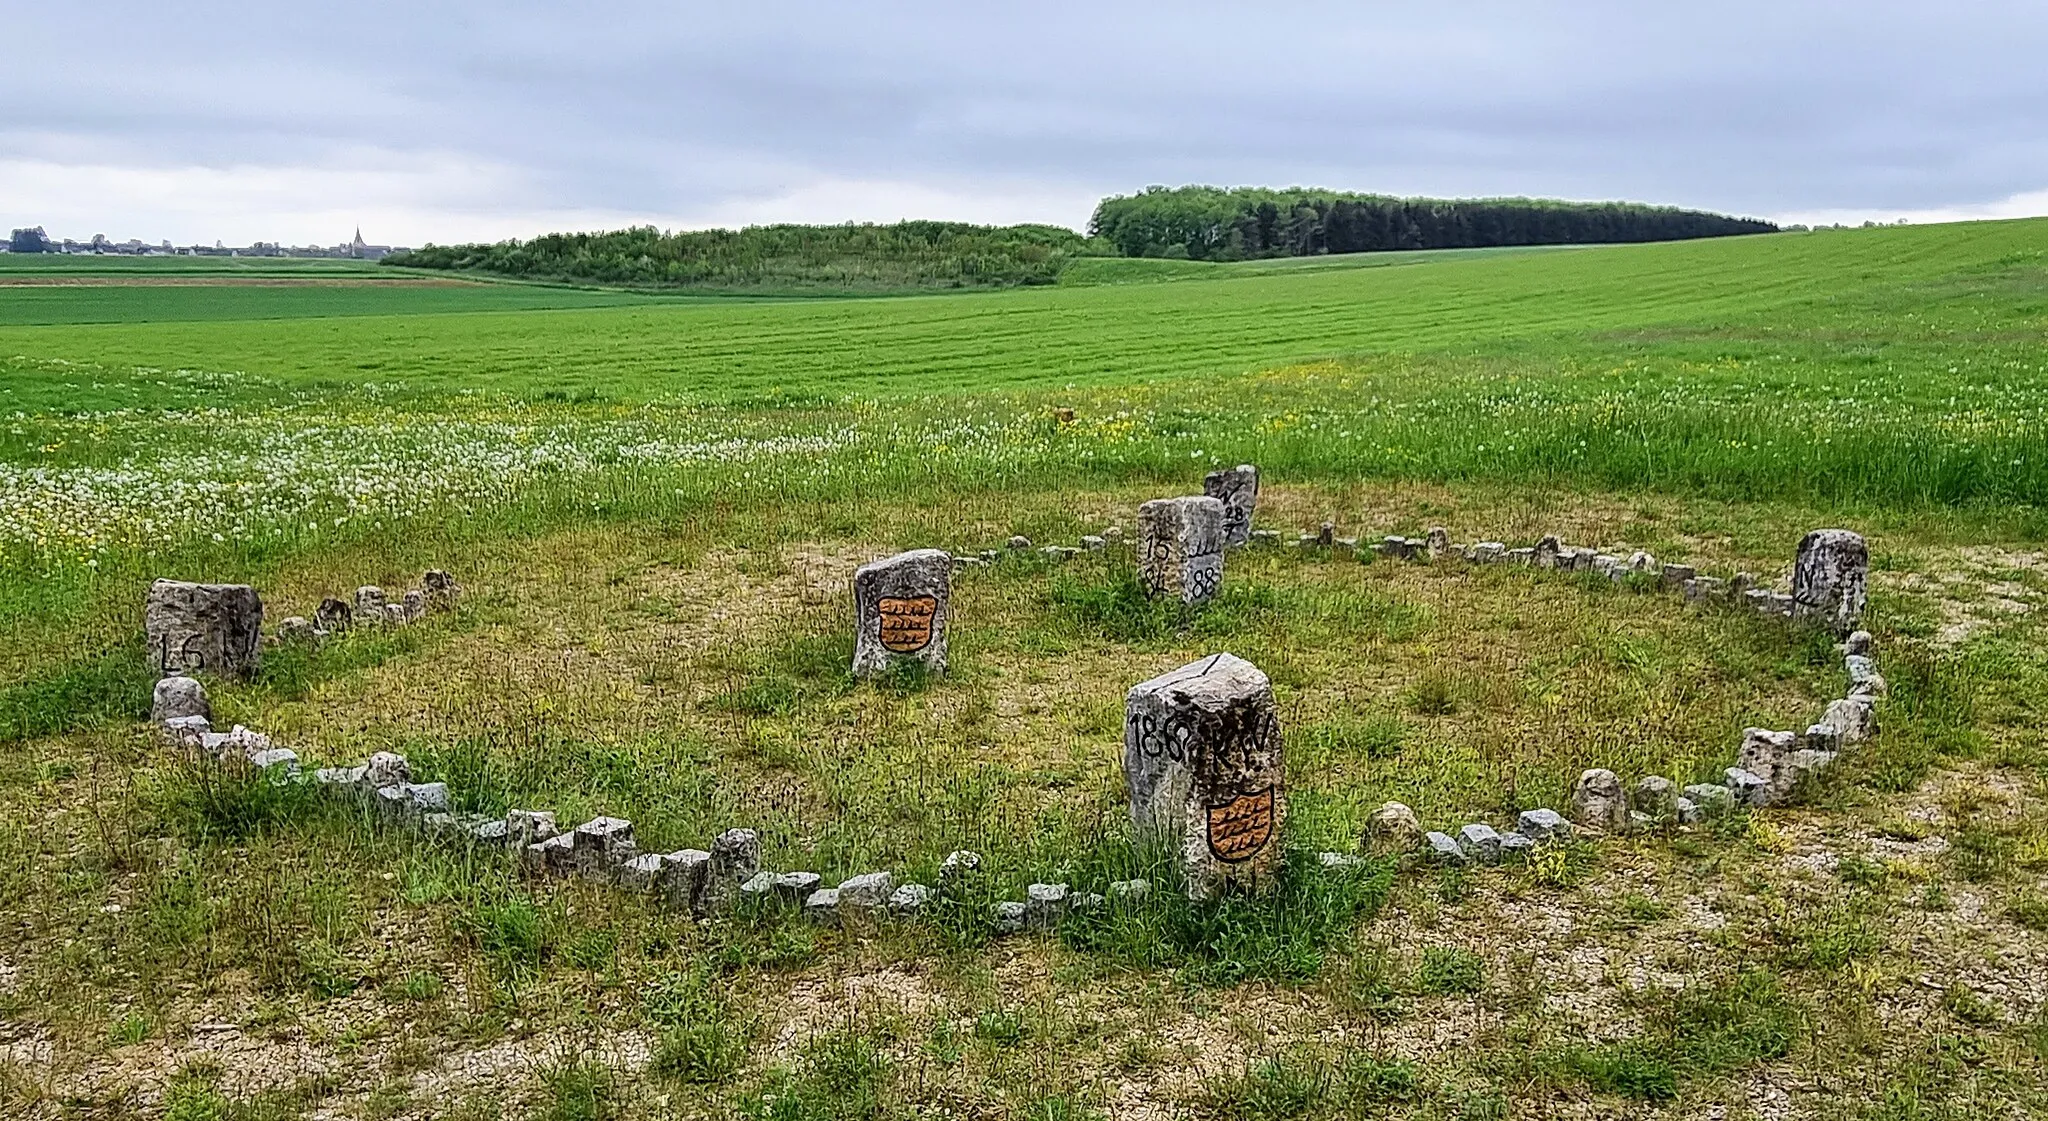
(657, 504)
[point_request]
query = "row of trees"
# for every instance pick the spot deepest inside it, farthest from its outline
(904, 255)
(1219, 224)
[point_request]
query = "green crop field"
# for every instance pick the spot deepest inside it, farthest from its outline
(656, 504)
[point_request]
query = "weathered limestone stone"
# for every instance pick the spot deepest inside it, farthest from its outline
(1391, 831)
(1747, 787)
(1437, 543)
(396, 615)
(1675, 575)
(1543, 825)
(1830, 578)
(683, 873)
(370, 600)
(1488, 552)
(1763, 750)
(1180, 548)
(441, 589)
(1130, 891)
(1341, 860)
(1326, 534)
(1481, 842)
(1018, 543)
(1795, 769)
(526, 827)
(297, 630)
(1514, 846)
(186, 731)
(333, 615)
(1860, 667)
(866, 893)
(1238, 489)
(1640, 561)
(822, 906)
(1443, 849)
(1395, 547)
(1705, 589)
(1686, 811)
(1044, 904)
(1597, 801)
(1858, 642)
(287, 762)
(600, 845)
(797, 886)
(1654, 795)
(1086, 901)
(420, 797)
(551, 855)
(901, 606)
(759, 887)
(1710, 798)
(735, 857)
(1010, 917)
(489, 832)
(959, 872)
(1853, 717)
(179, 697)
(1873, 686)
(909, 900)
(1522, 556)
(217, 628)
(1821, 737)
(1093, 544)
(643, 872)
(1265, 537)
(1546, 552)
(415, 604)
(1202, 760)
(386, 768)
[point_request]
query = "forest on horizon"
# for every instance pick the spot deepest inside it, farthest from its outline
(1193, 223)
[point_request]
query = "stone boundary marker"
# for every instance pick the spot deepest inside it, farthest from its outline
(1180, 548)
(214, 628)
(1238, 489)
(1202, 760)
(901, 607)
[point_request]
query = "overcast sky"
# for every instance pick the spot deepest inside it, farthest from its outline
(454, 121)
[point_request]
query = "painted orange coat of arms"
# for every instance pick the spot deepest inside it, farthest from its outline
(907, 622)
(1239, 828)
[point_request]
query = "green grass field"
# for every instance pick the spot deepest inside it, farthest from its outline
(657, 503)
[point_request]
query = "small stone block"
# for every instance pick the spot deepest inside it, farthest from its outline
(1044, 904)
(867, 892)
(1010, 917)
(1747, 788)
(1443, 849)
(1130, 891)
(797, 886)
(1481, 842)
(822, 906)
(1514, 846)
(1542, 825)
(909, 900)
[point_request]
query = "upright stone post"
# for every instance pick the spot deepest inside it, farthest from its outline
(1238, 489)
(213, 627)
(1202, 759)
(1180, 547)
(1830, 579)
(901, 607)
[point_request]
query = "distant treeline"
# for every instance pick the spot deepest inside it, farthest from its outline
(1198, 223)
(853, 257)
(1217, 224)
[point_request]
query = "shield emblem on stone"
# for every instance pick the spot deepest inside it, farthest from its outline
(1239, 828)
(907, 622)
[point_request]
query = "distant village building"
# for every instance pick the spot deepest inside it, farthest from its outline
(33, 240)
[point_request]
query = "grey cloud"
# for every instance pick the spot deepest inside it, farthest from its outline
(669, 108)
